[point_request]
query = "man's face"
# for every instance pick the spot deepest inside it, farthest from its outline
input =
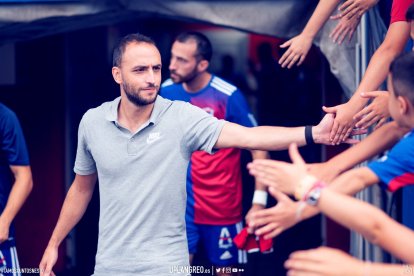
(140, 73)
(184, 62)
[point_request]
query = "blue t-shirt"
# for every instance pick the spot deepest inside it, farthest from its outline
(13, 151)
(396, 169)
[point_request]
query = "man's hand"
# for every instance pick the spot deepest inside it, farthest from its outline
(48, 261)
(296, 53)
(376, 112)
(343, 123)
(323, 261)
(273, 221)
(323, 131)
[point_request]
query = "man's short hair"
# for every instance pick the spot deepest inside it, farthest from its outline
(120, 47)
(402, 72)
(204, 48)
(410, 13)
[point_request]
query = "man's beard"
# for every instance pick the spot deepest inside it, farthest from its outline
(134, 96)
(188, 78)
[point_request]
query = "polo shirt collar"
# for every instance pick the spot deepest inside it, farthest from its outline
(112, 112)
(159, 106)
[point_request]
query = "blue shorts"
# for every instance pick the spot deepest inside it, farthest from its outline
(217, 241)
(9, 263)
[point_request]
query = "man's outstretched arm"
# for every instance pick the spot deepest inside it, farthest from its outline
(273, 138)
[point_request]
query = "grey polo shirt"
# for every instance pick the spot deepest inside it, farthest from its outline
(142, 183)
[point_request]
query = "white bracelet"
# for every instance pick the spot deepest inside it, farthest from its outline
(260, 197)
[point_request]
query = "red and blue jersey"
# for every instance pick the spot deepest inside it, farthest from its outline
(396, 169)
(214, 182)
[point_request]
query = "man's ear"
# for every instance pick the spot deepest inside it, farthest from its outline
(203, 65)
(116, 74)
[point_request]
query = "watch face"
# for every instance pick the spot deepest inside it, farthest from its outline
(314, 196)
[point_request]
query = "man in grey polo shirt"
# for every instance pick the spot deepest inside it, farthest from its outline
(139, 146)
